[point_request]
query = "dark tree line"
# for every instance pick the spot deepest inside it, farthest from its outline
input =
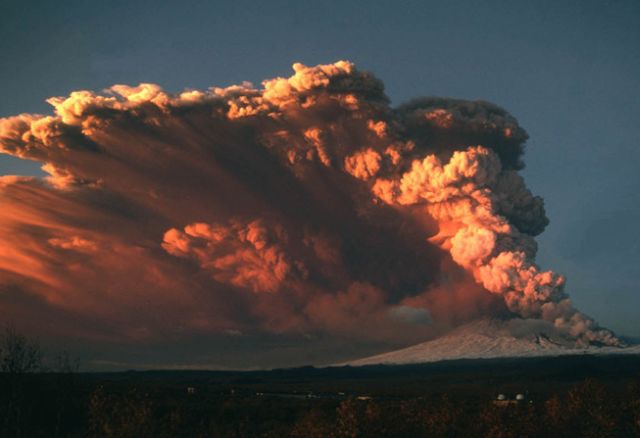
(55, 401)
(587, 410)
(35, 399)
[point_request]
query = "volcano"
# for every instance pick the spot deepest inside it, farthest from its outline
(491, 339)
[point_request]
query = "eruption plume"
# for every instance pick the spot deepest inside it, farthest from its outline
(466, 197)
(307, 206)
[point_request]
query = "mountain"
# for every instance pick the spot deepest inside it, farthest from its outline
(485, 339)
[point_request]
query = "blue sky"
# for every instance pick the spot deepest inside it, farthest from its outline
(569, 71)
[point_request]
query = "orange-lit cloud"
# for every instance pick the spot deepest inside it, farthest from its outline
(246, 255)
(306, 206)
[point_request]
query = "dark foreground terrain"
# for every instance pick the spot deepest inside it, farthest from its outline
(585, 396)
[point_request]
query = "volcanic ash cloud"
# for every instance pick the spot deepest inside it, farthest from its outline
(307, 205)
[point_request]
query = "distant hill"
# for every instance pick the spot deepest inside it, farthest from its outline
(487, 339)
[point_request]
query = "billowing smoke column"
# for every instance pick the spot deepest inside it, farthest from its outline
(472, 198)
(309, 205)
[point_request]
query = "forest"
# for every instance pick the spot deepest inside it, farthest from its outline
(584, 396)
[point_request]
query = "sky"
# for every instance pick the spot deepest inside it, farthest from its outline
(568, 71)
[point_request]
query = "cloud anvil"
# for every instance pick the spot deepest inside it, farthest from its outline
(309, 205)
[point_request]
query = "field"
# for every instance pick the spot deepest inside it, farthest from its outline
(565, 396)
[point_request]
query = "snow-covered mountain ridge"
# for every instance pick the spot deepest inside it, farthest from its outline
(486, 339)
